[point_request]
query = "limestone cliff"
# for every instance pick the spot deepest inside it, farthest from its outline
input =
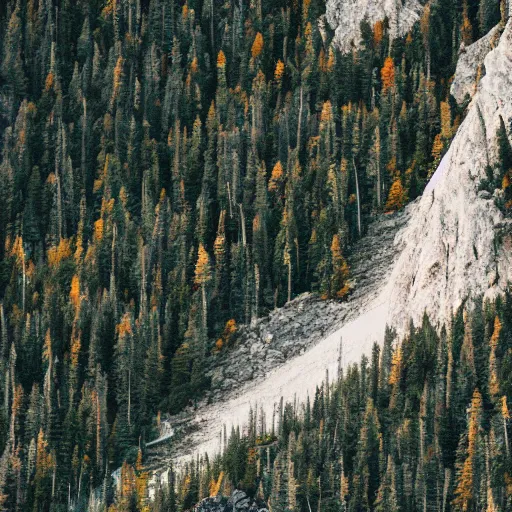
(345, 16)
(457, 244)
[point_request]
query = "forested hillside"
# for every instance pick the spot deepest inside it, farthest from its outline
(422, 425)
(169, 171)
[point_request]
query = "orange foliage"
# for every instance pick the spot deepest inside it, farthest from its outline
(216, 485)
(257, 46)
(378, 32)
(437, 147)
(202, 271)
(340, 270)
(326, 116)
(124, 327)
(279, 71)
(388, 74)
(276, 178)
(464, 491)
(396, 364)
(221, 59)
(396, 198)
(76, 345)
(50, 79)
(98, 229)
(118, 73)
(494, 387)
(74, 293)
(57, 254)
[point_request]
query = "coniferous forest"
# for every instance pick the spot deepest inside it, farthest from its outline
(172, 169)
(420, 425)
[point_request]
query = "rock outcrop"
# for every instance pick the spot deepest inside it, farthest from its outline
(455, 243)
(287, 353)
(237, 502)
(470, 65)
(291, 330)
(345, 17)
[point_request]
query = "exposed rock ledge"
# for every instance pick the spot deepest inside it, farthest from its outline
(345, 17)
(452, 248)
(274, 357)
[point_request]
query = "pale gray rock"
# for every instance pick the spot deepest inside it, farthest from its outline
(345, 17)
(452, 250)
(471, 59)
(237, 502)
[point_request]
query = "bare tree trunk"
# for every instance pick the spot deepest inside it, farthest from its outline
(446, 487)
(203, 297)
(242, 221)
(506, 436)
(84, 153)
(358, 198)
(212, 41)
(289, 281)
(299, 123)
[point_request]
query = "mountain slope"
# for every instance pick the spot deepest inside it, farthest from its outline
(306, 333)
(345, 17)
(455, 245)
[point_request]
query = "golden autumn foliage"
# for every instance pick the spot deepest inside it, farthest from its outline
(257, 46)
(118, 75)
(98, 229)
(466, 28)
(45, 462)
(276, 177)
(446, 120)
(464, 491)
(387, 74)
(340, 284)
(396, 197)
(279, 71)
(47, 347)
(215, 485)
(124, 327)
(50, 79)
(60, 253)
(74, 292)
(504, 408)
(437, 147)
(203, 270)
(396, 365)
(327, 115)
(76, 345)
(494, 387)
(378, 32)
(221, 59)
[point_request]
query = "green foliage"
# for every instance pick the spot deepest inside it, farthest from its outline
(423, 434)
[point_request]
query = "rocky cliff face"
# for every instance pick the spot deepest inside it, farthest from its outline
(345, 16)
(458, 243)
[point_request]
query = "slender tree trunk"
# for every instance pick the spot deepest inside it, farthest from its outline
(129, 396)
(24, 271)
(242, 221)
(446, 487)
(212, 40)
(299, 123)
(205, 312)
(358, 198)
(84, 153)
(289, 280)
(506, 436)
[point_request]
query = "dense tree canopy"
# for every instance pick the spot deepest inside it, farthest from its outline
(170, 169)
